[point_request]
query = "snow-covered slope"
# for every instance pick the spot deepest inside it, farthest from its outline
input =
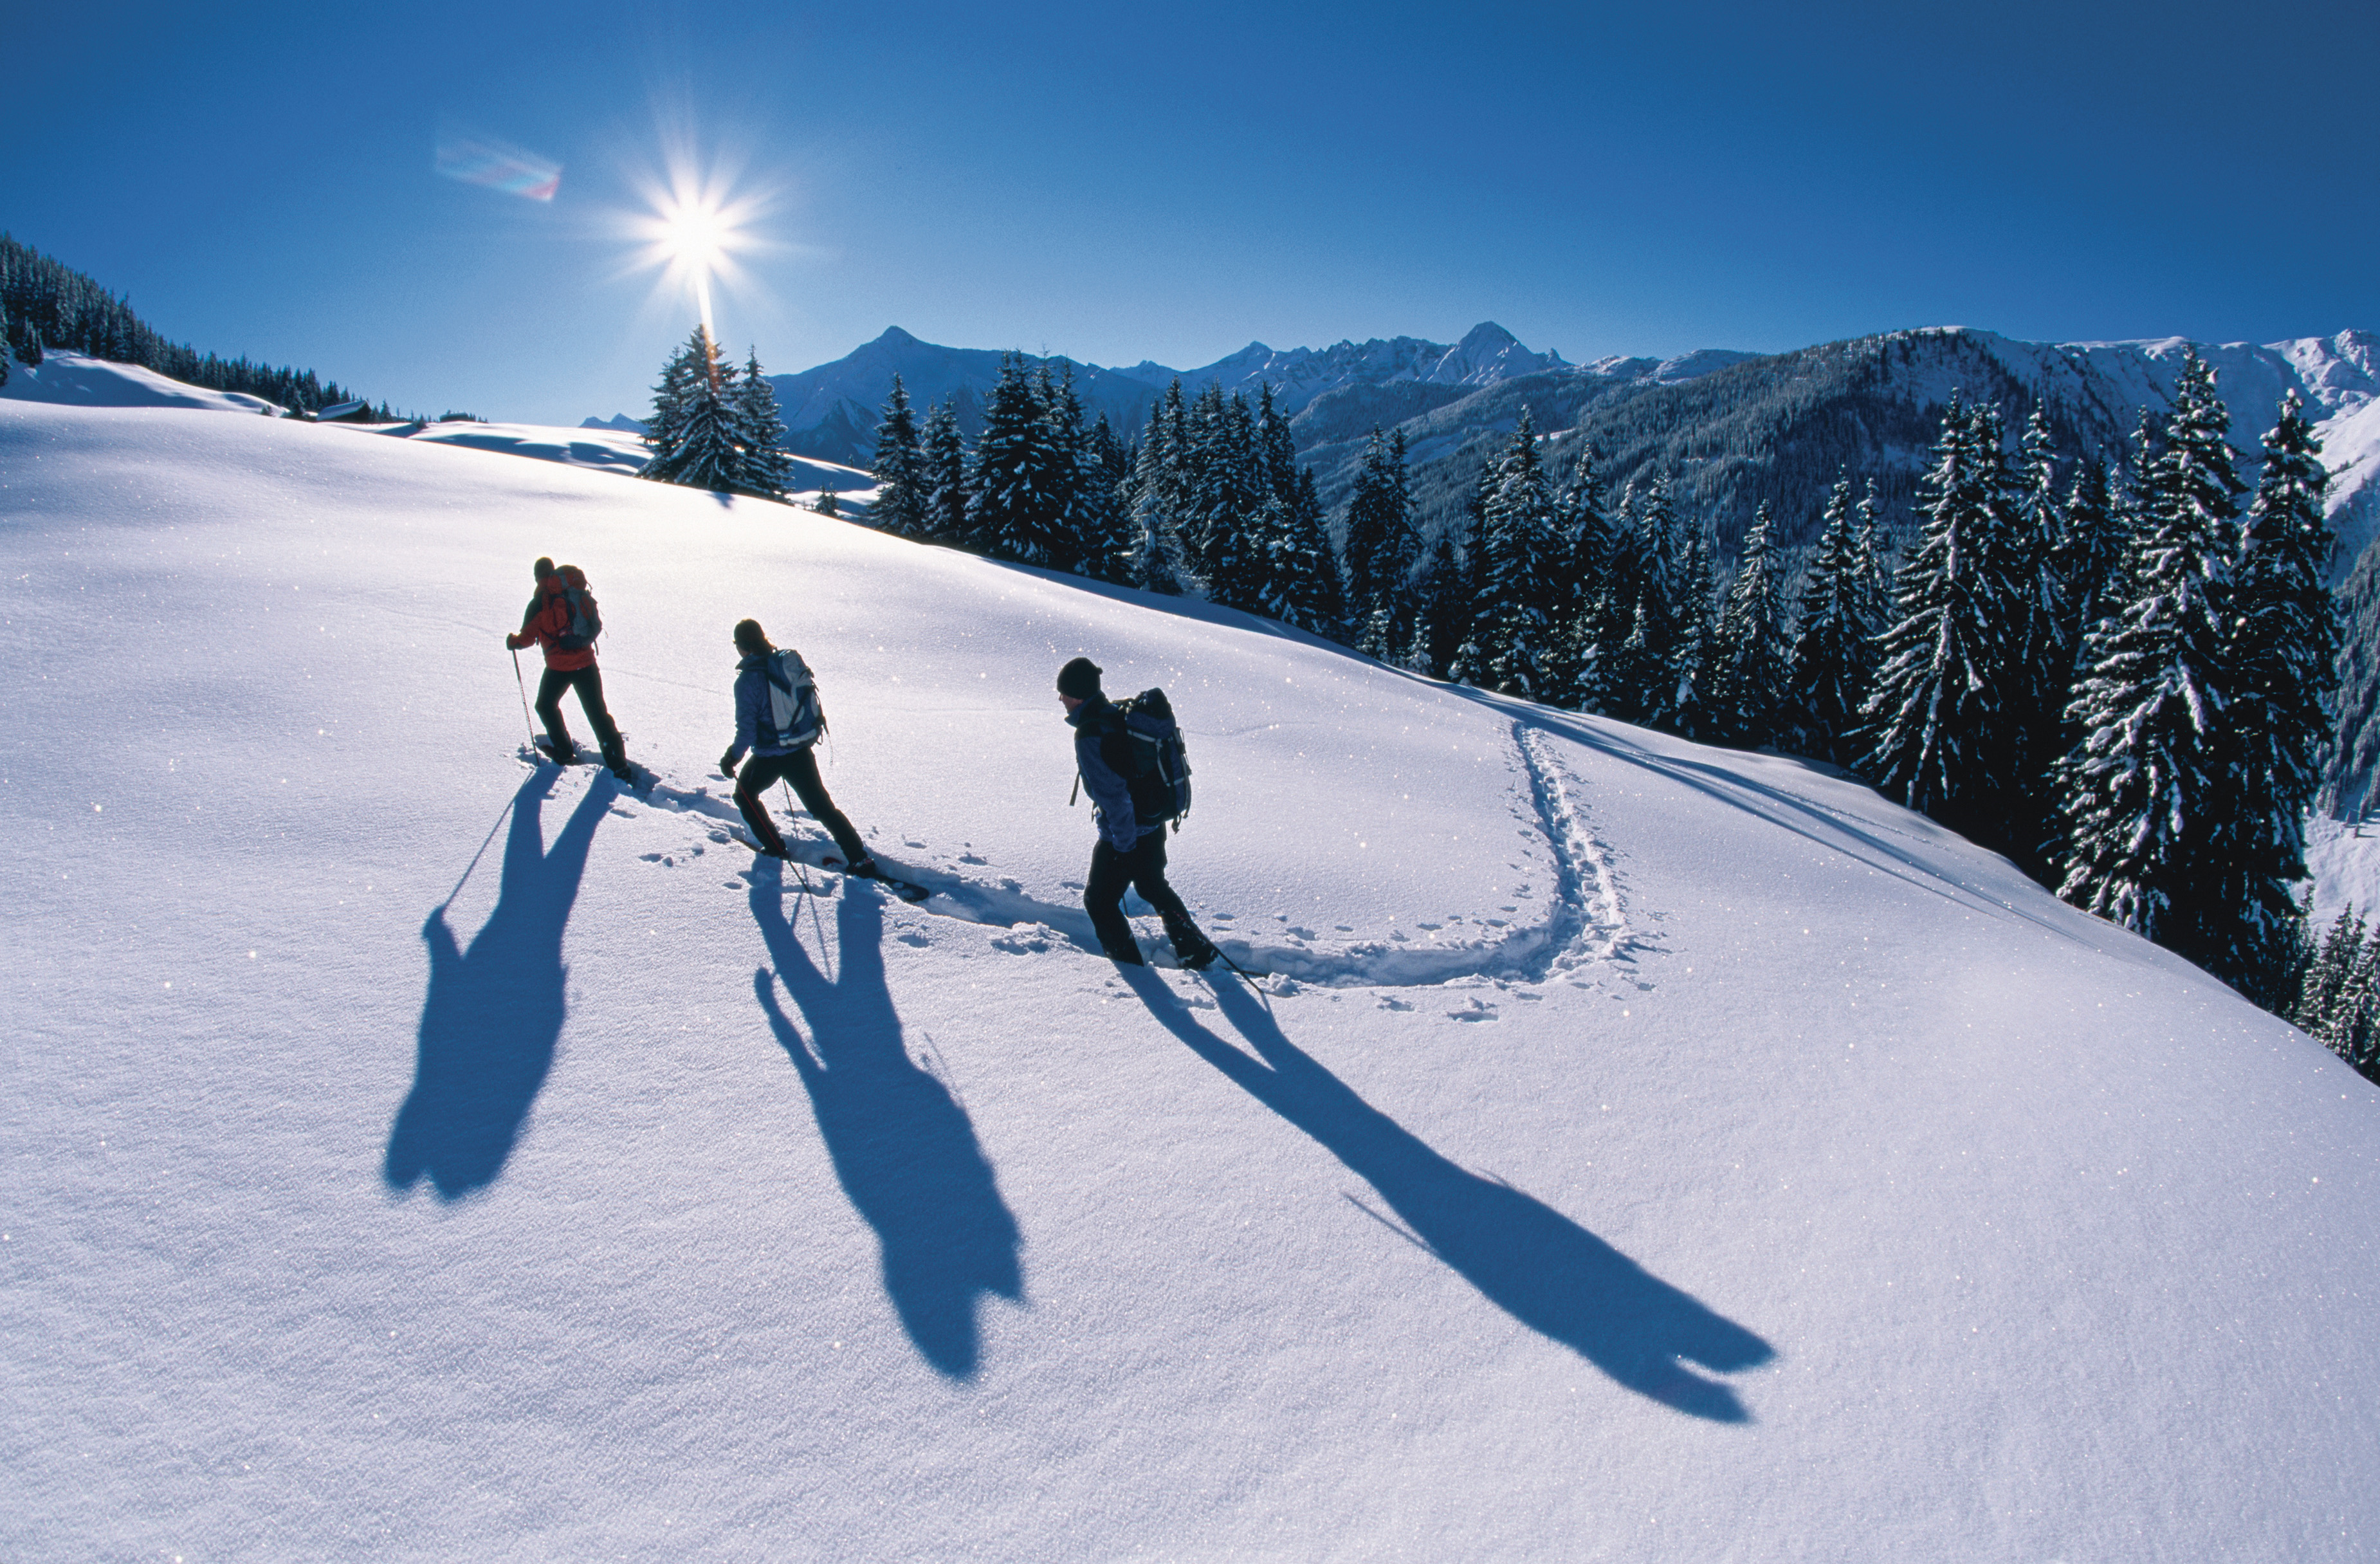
(1658, 1153)
(74, 381)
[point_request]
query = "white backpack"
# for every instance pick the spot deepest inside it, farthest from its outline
(794, 719)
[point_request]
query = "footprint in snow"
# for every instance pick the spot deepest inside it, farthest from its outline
(1028, 939)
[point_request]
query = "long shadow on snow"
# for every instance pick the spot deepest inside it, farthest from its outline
(493, 1013)
(903, 1148)
(1527, 1258)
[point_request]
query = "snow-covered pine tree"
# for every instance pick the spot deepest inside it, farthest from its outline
(1638, 683)
(2149, 793)
(2283, 665)
(2036, 532)
(695, 362)
(1672, 603)
(943, 456)
(1753, 652)
(903, 491)
(1938, 719)
(768, 466)
(1834, 655)
(1447, 600)
(1016, 484)
(2338, 1001)
(1158, 563)
(1107, 528)
(1380, 541)
(1876, 553)
(705, 448)
(1582, 536)
(1199, 436)
(1607, 621)
(1422, 592)
(2091, 558)
(1693, 662)
(1303, 581)
(1457, 611)
(1276, 449)
(1226, 501)
(1072, 542)
(1522, 564)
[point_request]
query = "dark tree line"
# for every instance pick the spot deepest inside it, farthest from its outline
(46, 306)
(1209, 497)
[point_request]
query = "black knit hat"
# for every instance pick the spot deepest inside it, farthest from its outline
(1079, 679)
(542, 568)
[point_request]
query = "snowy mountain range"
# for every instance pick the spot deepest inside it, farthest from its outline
(1781, 429)
(832, 411)
(1732, 429)
(1639, 1151)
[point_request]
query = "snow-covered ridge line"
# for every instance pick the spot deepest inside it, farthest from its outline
(74, 380)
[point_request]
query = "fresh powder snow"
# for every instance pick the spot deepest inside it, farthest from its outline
(1637, 1151)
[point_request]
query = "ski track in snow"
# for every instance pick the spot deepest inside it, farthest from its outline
(1583, 931)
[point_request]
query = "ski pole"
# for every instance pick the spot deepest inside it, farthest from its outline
(523, 685)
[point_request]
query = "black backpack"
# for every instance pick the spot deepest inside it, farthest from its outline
(1155, 765)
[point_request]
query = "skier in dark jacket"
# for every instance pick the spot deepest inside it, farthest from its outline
(1129, 852)
(772, 761)
(547, 624)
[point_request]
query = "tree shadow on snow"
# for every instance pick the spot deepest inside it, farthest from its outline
(493, 1013)
(1525, 1257)
(903, 1148)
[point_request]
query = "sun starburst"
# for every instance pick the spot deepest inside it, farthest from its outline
(695, 225)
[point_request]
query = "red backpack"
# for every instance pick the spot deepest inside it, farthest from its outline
(586, 623)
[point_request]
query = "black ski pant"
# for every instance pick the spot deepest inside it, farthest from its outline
(1142, 869)
(799, 767)
(590, 682)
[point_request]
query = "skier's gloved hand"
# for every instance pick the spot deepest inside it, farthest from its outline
(513, 643)
(727, 764)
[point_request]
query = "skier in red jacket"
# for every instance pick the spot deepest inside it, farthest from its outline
(561, 619)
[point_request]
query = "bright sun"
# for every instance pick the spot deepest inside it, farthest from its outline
(696, 239)
(692, 230)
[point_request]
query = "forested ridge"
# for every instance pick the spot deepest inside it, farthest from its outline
(46, 305)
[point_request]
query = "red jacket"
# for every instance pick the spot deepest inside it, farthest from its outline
(548, 620)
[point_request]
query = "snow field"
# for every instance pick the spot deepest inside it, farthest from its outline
(418, 1154)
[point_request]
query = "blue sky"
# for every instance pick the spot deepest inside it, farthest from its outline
(1117, 182)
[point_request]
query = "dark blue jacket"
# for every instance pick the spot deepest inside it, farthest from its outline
(751, 708)
(1094, 722)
